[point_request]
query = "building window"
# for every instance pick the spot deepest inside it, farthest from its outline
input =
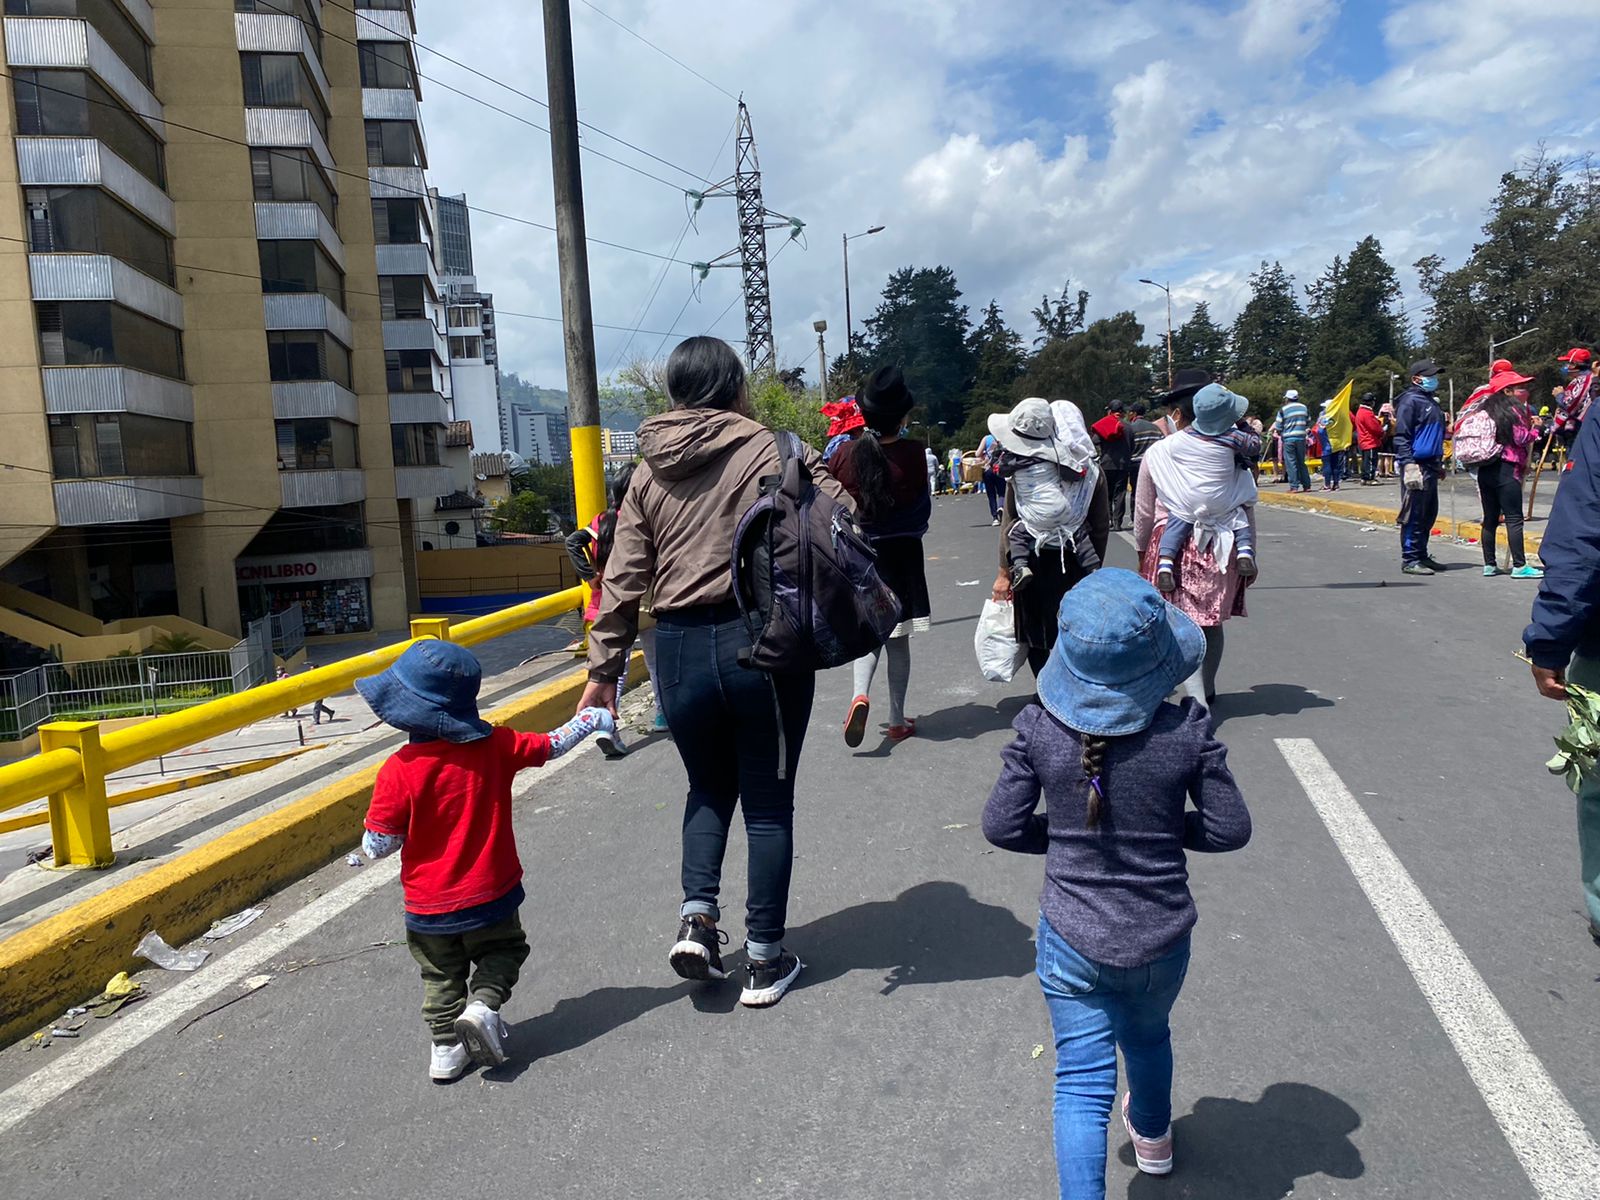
(301, 354)
(317, 444)
(466, 347)
(282, 81)
(398, 223)
(415, 445)
(299, 530)
(71, 104)
(293, 175)
(394, 144)
(464, 317)
(410, 370)
(94, 445)
(385, 5)
(80, 220)
(109, 21)
(293, 266)
(386, 65)
(403, 297)
(301, 10)
(78, 333)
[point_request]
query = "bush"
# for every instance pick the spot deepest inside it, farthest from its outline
(1265, 393)
(175, 643)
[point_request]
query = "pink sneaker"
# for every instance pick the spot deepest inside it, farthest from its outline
(1154, 1155)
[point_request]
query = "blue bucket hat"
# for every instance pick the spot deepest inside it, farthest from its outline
(1217, 410)
(1120, 651)
(431, 691)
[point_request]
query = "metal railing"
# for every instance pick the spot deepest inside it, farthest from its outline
(74, 758)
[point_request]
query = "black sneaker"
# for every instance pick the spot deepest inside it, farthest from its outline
(1166, 578)
(695, 955)
(770, 980)
(1021, 577)
(1432, 563)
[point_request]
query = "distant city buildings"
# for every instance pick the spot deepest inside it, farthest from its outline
(619, 443)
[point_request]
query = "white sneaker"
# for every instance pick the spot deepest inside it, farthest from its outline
(611, 744)
(448, 1062)
(483, 1034)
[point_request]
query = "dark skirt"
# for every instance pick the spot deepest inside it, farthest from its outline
(900, 566)
(1036, 605)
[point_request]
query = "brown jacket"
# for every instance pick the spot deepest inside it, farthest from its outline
(702, 469)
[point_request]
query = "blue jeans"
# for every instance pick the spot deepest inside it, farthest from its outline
(1333, 467)
(1418, 511)
(1177, 533)
(1094, 1009)
(994, 487)
(725, 720)
(1294, 463)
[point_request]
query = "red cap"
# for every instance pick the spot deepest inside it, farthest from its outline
(1499, 366)
(1577, 355)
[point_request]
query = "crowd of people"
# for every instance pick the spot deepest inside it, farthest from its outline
(1117, 745)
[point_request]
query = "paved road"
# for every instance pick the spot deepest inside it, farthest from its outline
(1464, 488)
(1309, 1058)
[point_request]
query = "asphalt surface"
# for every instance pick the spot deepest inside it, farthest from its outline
(903, 1064)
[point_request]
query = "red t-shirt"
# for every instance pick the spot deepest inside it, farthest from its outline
(452, 803)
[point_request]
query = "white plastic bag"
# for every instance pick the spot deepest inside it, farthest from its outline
(999, 654)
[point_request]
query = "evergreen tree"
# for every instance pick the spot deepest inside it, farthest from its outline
(1107, 361)
(922, 326)
(1000, 358)
(1355, 316)
(1060, 319)
(1198, 342)
(1269, 334)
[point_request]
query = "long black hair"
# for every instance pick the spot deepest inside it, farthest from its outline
(606, 526)
(872, 465)
(705, 372)
(1093, 763)
(1502, 410)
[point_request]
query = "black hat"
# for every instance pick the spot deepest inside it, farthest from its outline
(1116, 406)
(1423, 366)
(886, 394)
(1186, 383)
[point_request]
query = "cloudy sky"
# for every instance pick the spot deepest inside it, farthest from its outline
(1018, 142)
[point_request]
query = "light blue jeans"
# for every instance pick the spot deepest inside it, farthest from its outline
(1095, 1008)
(1586, 672)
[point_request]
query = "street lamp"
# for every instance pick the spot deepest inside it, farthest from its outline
(849, 332)
(1494, 345)
(822, 360)
(1168, 290)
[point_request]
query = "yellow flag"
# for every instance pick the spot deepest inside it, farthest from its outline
(1338, 419)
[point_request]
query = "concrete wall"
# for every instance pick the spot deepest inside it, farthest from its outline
(495, 570)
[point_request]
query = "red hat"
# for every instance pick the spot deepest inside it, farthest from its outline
(1499, 366)
(845, 415)
(1577, 355)
(1501, 380)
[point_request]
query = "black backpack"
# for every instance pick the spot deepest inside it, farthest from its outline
(805, 577)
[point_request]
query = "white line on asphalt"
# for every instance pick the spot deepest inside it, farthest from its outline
(1549, 1139)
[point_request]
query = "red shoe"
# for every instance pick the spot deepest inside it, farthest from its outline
(899, 733)
(855, 724)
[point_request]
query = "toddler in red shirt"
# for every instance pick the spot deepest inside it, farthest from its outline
(444, 801)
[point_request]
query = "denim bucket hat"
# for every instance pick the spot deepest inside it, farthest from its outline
(1120, 651)
(431, 691)
(1217, 410)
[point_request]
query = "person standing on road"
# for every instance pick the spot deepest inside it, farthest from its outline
(1291, 425)
(1563, 639)
(882, 472)
(1577, 369)
(1116, 767)
(1369, 438)
(1115, 444)
(955, 472)
(704, 460)
(933, 470)
(1207, 590)
(1145, 433)
(1494, 437)
(1419, 451)
(994, 484)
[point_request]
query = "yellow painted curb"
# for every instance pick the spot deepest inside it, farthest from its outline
(1377, 515)
(68, 957)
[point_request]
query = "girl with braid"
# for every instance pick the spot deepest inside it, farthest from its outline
(1117, 768)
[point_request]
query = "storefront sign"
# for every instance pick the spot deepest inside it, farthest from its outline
(265, 572)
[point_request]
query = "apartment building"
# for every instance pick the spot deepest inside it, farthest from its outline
(223, 365)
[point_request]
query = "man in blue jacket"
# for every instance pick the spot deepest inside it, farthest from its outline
(1419, 454)
(1564, 639)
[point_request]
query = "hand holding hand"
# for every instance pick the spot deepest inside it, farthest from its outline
(599, 695)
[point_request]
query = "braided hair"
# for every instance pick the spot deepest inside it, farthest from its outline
(1093, 762)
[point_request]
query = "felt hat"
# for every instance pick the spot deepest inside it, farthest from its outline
(431, 690)
(1185, 383)
(886, 394)
(1217, 410)
(1120, 652)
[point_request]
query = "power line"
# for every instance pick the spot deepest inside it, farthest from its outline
(662, 52)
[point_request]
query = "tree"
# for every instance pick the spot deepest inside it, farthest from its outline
(1265, 392)
(846, 375)
(1355, 316)
(922, 326)
(1107, 361)
(550, 492)
(778, 406)
(1198, 342)
(1269, 334)
(1060, 319)
(998, 352)
(521, 512)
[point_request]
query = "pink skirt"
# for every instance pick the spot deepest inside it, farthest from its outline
(1208, 596)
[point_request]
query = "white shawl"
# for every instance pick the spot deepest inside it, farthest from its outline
(1054, 509)
(1197, 481)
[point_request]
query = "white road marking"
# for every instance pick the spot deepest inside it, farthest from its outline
(1547, 1136)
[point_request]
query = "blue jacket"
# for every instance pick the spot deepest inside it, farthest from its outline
(1566, 613)
(1415, 409)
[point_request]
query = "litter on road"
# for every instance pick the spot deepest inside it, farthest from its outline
(225, 926)
(154, 947)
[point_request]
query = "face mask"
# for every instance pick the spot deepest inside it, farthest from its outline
(1430, 383)
(1566, 369)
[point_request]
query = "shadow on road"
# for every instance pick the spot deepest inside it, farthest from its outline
(1266, 700)
(963, 722)
(1243, 1150)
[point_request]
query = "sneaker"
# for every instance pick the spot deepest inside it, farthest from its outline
(611, 744)
(1526, 572)
(1021, 577)
(899, 733)
(697, 954)
(855, 722)
(1166, 580)
(994, 522)
(770, 980)
(1490, 570)
(448, 1062)
(483, 1034)
(659, 725)
(1432, 563)
(1416, 568)
(1154, 1155)
(1247, 565)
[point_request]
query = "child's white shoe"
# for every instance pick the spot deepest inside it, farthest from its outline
(448, 1062)
(483, 1034)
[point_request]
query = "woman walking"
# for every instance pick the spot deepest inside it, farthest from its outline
(1116, 767)
(1495, 436)
(1208, 591)
(1050, 571)
(884, 473)
(704, 460)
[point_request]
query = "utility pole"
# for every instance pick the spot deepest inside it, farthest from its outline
(849, 329)
(572, 255)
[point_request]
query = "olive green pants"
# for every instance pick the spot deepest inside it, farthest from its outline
(481, 964)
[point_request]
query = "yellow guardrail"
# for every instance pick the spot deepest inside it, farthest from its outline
(74, 760)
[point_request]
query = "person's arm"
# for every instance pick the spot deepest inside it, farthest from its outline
(1011, 819)
(1277, 422)
(1099, 519)
(1247, 443)
(630, 570)
(388, 814)
(1219, 821)
(580, 549)
(1405, 417)
(1568, 603)
(1008, 517)
(1144, 505)
(823, 477)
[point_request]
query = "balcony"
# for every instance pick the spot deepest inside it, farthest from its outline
(115, 501)
(397, 183)
(298, 221)
(115, 389)
(85, 162)
(101, 277)
(307, 310)
(315, 489)
(56, 42)
(315, 398)
(416, 334)
(423, 483)
(288, 127)
(385, 25)
(280, 33)
(418, 408)
(408, 258)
